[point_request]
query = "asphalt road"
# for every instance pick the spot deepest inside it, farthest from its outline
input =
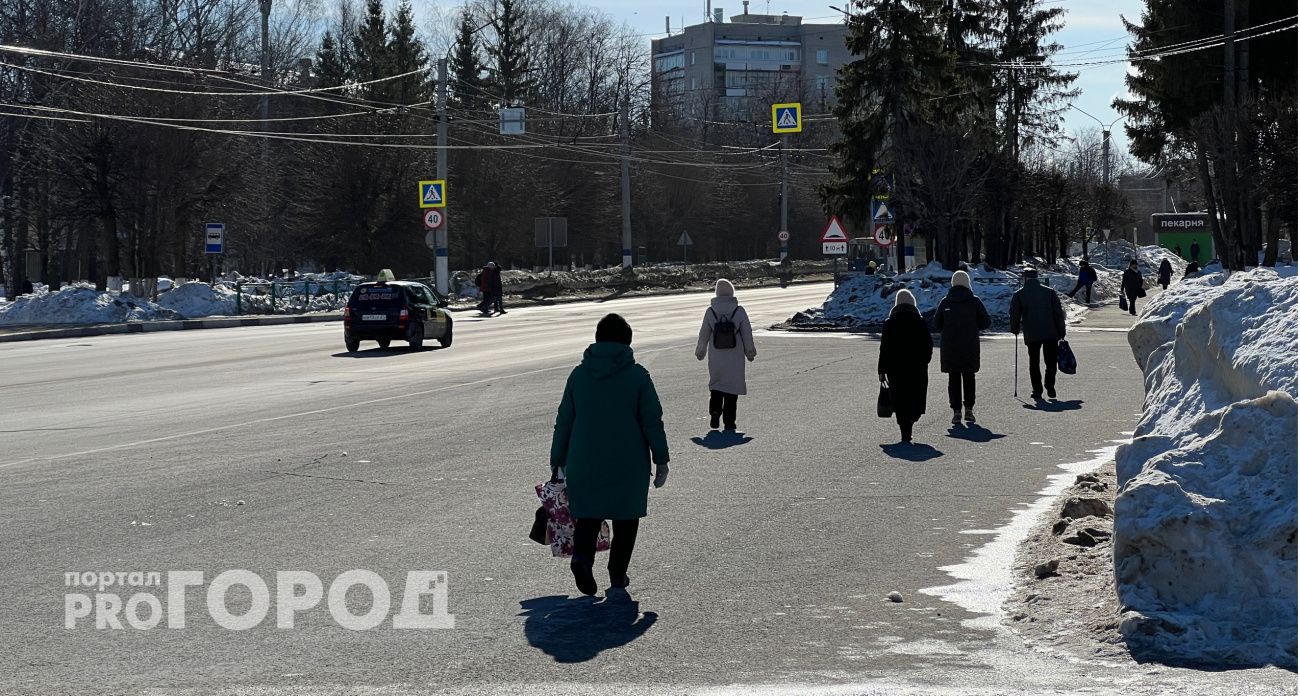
(763, 566)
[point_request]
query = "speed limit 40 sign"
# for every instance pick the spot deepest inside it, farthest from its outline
(433, 218)
(884, 234)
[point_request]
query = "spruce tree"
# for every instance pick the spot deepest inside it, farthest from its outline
(370, 54)
(467, 66)
(330, 70)
(510, 81)
(406, 54)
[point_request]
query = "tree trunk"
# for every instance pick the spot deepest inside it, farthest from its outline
(1212, 208)
(1273, 227)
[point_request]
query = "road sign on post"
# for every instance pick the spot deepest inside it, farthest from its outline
(834, 241)
(214, 238)
(787, 118)
(433, 194)
(433, 219)
(548, 233)
(883, 234)
(684, 242)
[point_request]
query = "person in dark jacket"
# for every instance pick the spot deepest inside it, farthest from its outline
(1195, 251)
(1131, 285)
(497, 290)
(483, 281)
(1037, 309)
(1166, 273)
(905, 351)
(960, 319)
(608, 429)
(1087, 277)
(1192, 269)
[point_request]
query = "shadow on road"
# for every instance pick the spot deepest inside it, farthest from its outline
(972, 432)
(911, 451)
(578, 629)
(717, 440)
(385, 352)
(1055, 406)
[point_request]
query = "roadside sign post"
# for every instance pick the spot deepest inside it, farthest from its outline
(784, 237)
(685, 243)
(214, 245)
(433, 194)
(550, 232)
(835, 243)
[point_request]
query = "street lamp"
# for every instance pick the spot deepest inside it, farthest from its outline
(1105, 143)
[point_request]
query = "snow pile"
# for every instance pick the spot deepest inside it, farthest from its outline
(864, 301)
(1205, 520)
(195, 299)
(529, 284)
(80, 304)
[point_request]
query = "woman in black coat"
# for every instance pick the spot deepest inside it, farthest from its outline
(960, 319)
(1131, 284)
(905, 351)
(1166, 273)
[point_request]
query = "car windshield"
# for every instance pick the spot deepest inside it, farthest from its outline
(377, 296)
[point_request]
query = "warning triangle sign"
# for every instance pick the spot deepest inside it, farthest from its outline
(834, 231)
(786, 119)
(433, 194)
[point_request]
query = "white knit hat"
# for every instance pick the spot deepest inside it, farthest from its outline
(904, 297)
(961, 278)
(724, 288)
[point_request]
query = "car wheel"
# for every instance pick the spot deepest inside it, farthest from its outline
(384, 343)
(415, 335)
(445, 341)
(351, 343)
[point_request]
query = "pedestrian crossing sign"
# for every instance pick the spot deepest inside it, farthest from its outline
(433, 194)
(787, 118)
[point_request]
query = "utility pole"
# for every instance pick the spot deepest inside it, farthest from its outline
(625, 132)
(265, 7)
(440, 234)
(1105, 157)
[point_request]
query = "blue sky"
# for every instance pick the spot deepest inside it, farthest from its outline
(1092, 31)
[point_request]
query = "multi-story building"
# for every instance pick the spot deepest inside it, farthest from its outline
(736, 70)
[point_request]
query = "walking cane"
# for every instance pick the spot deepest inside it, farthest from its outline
(1015, 390)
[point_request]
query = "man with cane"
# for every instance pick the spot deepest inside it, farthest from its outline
(1038, 309)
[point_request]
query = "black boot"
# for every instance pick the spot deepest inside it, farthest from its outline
(582, 575)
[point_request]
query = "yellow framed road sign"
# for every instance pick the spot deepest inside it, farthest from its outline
(433, 194)
(787, 118)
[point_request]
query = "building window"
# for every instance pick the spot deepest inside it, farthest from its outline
(824, 83)
(823, 57)
(695, 84)
(693, 57)
(673, 61)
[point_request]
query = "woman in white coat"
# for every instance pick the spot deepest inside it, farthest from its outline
(728, 340)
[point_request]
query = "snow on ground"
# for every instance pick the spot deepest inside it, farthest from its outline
(666, 275)
(1205, 519)
(195, 299)
(80, 304)
(864, 301)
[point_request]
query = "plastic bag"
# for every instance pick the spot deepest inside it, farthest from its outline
(559, 524)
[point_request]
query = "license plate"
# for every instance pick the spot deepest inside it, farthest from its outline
(374, 317)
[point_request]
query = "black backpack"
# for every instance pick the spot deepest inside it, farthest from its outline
(724, 330)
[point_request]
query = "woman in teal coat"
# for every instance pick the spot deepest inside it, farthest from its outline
(608, 429)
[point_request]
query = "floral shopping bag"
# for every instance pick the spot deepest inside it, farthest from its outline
(559, 524)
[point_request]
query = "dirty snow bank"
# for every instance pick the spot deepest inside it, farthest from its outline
(542, 284)
(197, 299)
(1205, 519)
(80, 304)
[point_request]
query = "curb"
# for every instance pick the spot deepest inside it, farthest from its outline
(179, 325)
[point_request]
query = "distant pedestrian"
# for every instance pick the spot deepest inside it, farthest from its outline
(1087, 277)
(1131, 286)
(608, 429)
(1037, 309)
(871, 267)
(483, 281)
(905, 351)
(1192, 269)
(960, 319)
(1196, 252)
(1178, 249)
(1166, 273)
(497, 288)
(727, 338)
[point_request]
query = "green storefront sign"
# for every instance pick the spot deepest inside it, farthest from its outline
(1177, 232)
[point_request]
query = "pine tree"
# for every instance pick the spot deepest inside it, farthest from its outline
(330, 71)
(467, 66)
(900, 70)
(510, 81)
(370, 55)
(406, 54)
